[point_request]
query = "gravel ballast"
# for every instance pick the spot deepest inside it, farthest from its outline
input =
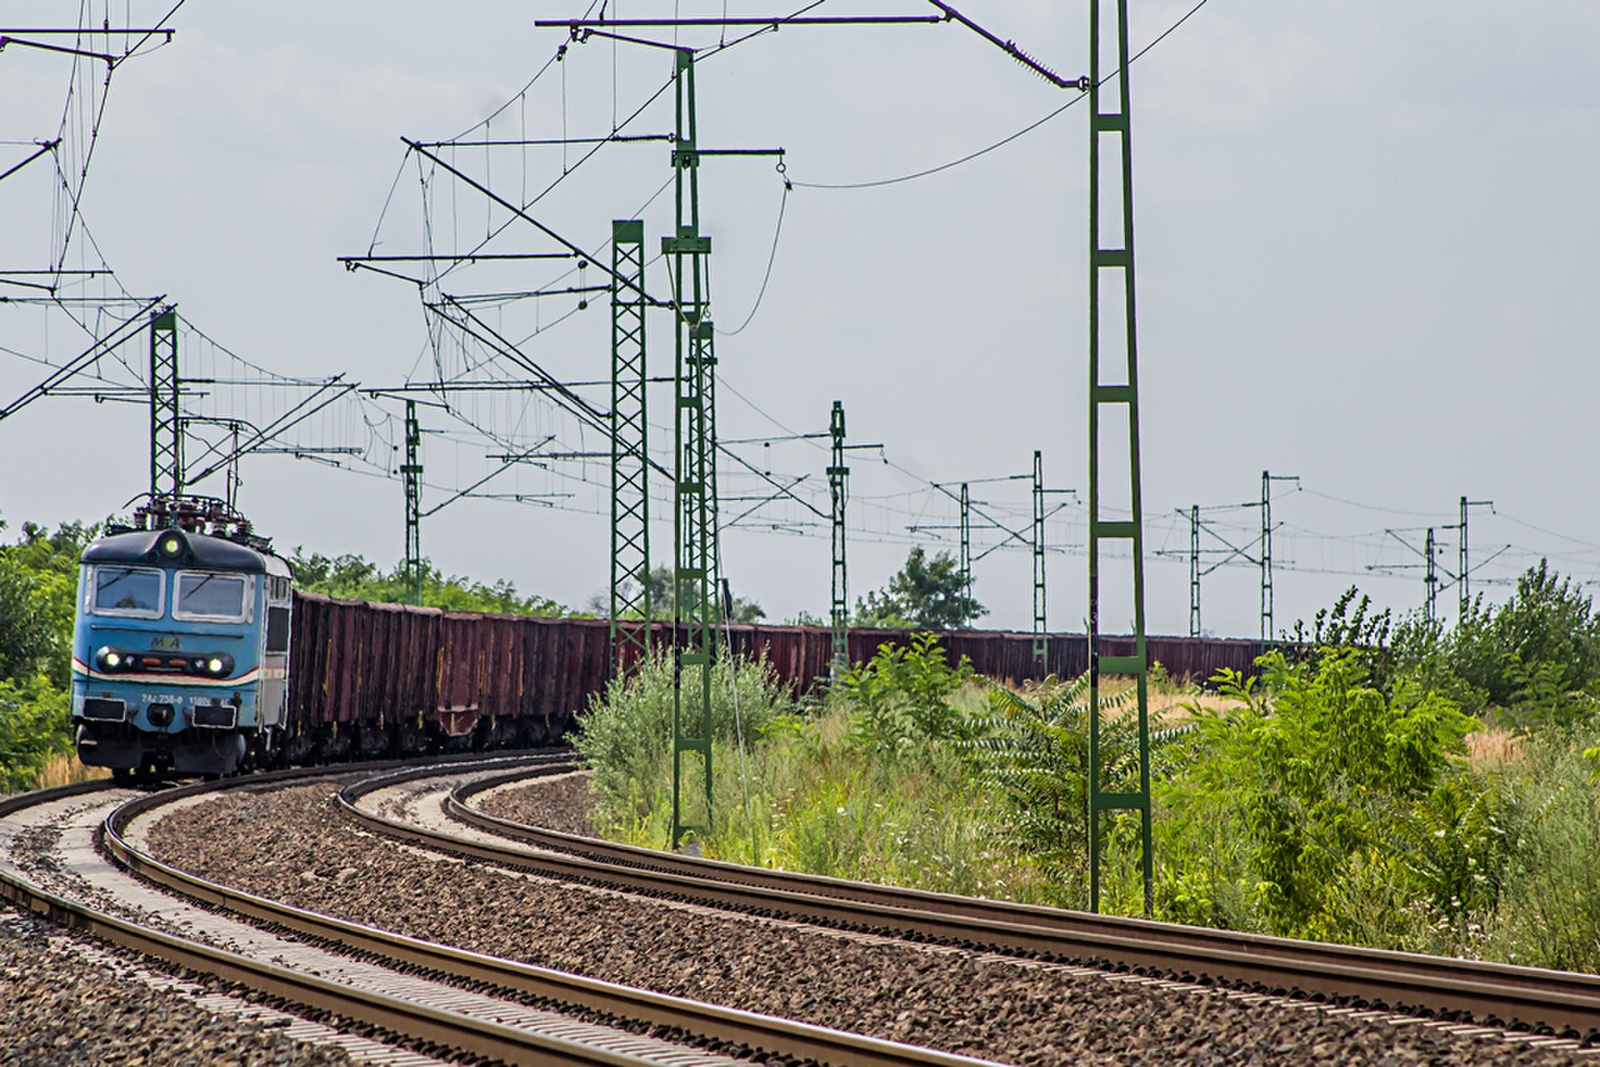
(293, 845)
(65, 1003)
(561, 802)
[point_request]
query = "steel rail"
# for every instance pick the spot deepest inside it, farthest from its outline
(773, 1035)
(392, 1014)
(417, 1021)
(1494, 994)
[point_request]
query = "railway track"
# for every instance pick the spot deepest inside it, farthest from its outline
(412, 992)
(1462, 993)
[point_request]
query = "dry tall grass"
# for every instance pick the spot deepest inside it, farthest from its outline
(1493, 749)
(64, 769)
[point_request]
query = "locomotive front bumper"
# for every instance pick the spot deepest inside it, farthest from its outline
(125, 724)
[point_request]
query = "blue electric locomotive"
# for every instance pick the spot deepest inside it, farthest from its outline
(180, 649)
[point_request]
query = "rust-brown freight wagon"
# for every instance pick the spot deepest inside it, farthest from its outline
(372, 679)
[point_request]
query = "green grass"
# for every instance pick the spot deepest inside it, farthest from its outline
(804, 793)
(1464, 854)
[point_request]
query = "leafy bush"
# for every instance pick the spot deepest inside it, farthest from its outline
(38, 585)
(25, 632)
(1455, 846)
(904, 694)
(1332, 798)
(1533, 662)
(34, 726)
(1315, 760)
(625, 737)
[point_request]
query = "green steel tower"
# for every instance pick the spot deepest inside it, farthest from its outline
(694, 603)
(1194, 570)
(696, 608)
(1430, 581)
(411, 474)
(166, 418)
(1113, 261)
(1266, 556)
(966, 540)
(838, 489)
(630, 461)
(1040, 640)
(1267, 478)
(1464, 558)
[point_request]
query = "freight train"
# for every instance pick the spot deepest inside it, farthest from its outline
(193, 654)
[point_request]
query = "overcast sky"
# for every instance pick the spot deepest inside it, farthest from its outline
(1367, 243)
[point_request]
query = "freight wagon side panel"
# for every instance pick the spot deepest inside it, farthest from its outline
(357, 662)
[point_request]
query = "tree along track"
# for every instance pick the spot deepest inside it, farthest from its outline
(1449, 990)
(710, 1025)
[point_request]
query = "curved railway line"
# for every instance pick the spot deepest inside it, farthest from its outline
(1466, 992)
(424, 1000)
(419, 994)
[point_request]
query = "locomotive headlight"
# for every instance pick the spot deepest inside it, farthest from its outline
(110, 658)
(171, 546)
(215, 665)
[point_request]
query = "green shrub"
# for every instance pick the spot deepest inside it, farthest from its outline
(625, 737)
(1533, 662)
(1316, 761)
(34, 726)
(905, 693)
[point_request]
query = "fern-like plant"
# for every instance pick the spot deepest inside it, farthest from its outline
(1034, 753)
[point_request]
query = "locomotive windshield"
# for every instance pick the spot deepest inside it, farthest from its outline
(128, 591)
(209, 596)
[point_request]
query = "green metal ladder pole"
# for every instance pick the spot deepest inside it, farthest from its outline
(1040, 641)
(630, 488)
(1431, 579)
(166, 419)
(966, 540)
(1267, 478)
(694, 603)
(1266, 556)
(838, 490)
(1114, 259)
(1194, 570)
(1464, 558)
(411, 475)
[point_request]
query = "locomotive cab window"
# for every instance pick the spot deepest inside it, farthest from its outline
(135, 591)
(200, 595)
(277, 629)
